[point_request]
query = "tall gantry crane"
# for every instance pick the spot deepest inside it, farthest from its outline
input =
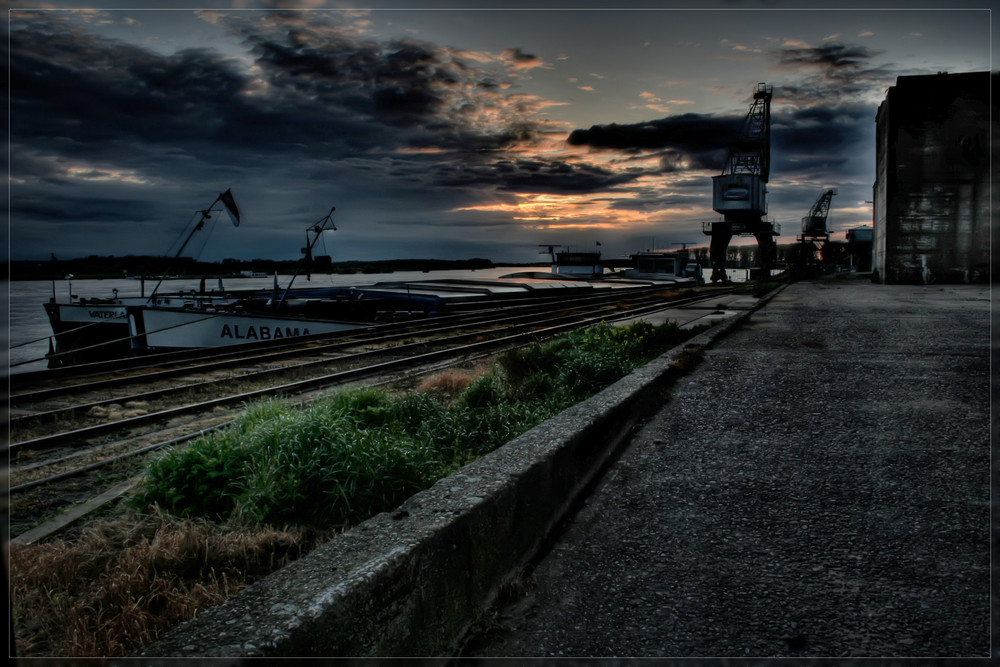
(740, 192)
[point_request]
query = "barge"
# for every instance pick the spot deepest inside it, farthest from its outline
(96, 328)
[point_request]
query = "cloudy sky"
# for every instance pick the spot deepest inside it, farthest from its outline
(448, 132)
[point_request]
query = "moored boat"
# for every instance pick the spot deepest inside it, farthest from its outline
(95, 329)
(674, 265)
(87, 329)
(161, 328)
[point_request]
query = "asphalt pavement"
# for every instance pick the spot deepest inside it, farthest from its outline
(818, 487)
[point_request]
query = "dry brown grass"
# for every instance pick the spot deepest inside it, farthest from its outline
(450, 382)
(689, 357)
(124, 582)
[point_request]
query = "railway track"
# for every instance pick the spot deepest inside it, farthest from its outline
(69, 427)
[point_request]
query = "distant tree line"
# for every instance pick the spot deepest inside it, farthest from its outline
(130, 266)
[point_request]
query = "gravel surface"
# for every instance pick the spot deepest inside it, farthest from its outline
(819, 486)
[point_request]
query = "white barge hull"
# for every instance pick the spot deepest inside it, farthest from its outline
(162, 328)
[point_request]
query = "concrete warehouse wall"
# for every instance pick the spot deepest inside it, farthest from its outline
(932, 187)
(410, 582)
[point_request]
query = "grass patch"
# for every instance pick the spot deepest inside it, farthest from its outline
(327, 465)
(204, 513)
(360, 452)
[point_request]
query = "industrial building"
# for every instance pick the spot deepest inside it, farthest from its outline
(932, 180)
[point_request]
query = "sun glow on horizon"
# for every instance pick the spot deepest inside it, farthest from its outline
(551, 211)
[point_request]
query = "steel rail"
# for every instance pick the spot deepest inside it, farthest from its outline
(518, 339)
(194, 355)
(21, 421)
(239, 357)
(90, 506)
(342, 376)
(243, 361)
(100, 429)
(97, 465)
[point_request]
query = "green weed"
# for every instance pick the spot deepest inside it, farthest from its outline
(363, 451)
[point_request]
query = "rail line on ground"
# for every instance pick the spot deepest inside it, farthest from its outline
(41, 462)
(33, 410)
(183, 358)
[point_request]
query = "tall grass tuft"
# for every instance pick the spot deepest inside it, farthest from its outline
(449, 383)
(328, 465)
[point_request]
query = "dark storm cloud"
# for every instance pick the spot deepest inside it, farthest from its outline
(321, 112)
(420, 178)
(526, 175)
(645, 202)
(86, 210)
(74, 92)
(819, 118)
(818, 129)
(800, 137)
(686, 132)
(399, 84)
(833, 56)
(687, 141)
(832, 74)
(520, 58)
(425, 95)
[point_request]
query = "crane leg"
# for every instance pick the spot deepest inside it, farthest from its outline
(721, 236)
(768, 252)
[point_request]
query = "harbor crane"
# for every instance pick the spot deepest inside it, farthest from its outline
(814, 224)
(814, 230)
(739, 193)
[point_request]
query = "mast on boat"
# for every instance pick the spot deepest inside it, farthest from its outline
(316, 228)
(229, 202)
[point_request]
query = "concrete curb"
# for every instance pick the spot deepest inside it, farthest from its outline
(410, 582)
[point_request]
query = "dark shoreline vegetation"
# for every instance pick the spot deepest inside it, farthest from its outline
(205, 521)
(98, 267)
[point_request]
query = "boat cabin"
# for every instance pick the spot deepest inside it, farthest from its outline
(578, 264)
(663, 264)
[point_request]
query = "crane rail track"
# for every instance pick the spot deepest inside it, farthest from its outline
(38, 463)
